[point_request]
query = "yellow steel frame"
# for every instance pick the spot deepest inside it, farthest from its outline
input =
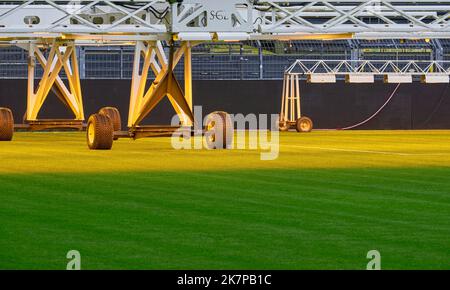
(61, 55)
(142, 102)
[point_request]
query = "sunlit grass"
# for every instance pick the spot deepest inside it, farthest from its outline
(68, 152)
(329, 198)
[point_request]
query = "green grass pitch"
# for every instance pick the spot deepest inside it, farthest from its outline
(326, 201)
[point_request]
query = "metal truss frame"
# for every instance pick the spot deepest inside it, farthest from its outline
(151, 56)
(362, 18)
(377, 67)
(365, 70)
(290, 99)
(200, 20)
(62, 55)
(23, 18)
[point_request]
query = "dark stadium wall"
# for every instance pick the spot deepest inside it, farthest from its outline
(331, 106)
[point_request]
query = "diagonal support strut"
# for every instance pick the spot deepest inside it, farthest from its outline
(61, 56)
(151, 56)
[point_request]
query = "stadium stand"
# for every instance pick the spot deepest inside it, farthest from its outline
(250, 60)
(446, 48)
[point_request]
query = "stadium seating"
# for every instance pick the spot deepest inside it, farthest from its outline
(239, 60)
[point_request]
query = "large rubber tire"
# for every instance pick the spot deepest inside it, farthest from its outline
(219, 122)
(100, 132)
(114, 115)
(304, 125)
(6, 124)
(283, 126)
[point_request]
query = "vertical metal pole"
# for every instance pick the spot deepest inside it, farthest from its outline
(75, 83)
(261, 60)
(30, 90)
(291, 99)
(297, 99)
(82, 61)
(439, 50)
(283, 99)
(170, 66)
(121, 62)
(188, 78)
(241, 58)
(135, 84)
(286, 104)
(354, 53)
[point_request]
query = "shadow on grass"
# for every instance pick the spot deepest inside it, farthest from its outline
(246, 219)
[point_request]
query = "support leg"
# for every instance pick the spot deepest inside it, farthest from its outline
(165, 83)
(291, 114)
(62, 55)
(188, 78)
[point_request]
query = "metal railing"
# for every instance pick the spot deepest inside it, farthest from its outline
(374, 67)
(236, 61)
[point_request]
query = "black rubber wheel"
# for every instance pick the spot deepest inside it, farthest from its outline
(304, 125)
(219, 130)
(100, 132)
(6, 124)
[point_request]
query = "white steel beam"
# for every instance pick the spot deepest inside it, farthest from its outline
(197, 20)
(84, 17)
(364, 71)
(358, 17)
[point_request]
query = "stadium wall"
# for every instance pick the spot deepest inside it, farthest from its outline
(331, 106)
